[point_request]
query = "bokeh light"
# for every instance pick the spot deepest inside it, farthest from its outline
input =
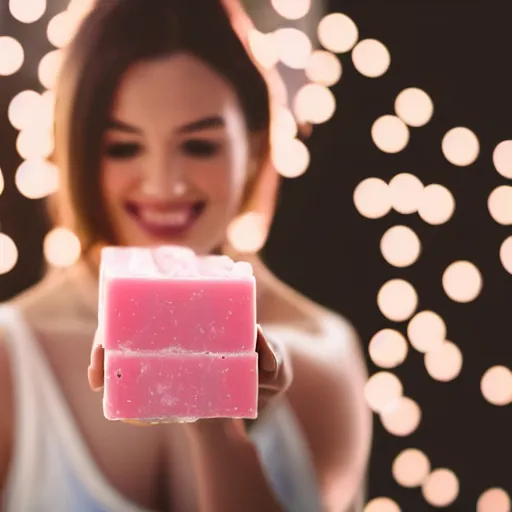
(390, 134)
(283, 125)
(323, 68)
(290, 158)
(314, 103)
(496, 385)
(444, 362)
(502, 158)
(61, 29)
(460, 146)
(11, 55)
(397, 300)
(24, 108)
(371, 58)
(263, 48)
(506, 254)
(37, 178)
(402, 417)
(34, 142)
(49, 68)
(400, 246)
(406, 193)
(414, 107)
(2, 184)
(411, 468)
(247, 233)
(494, 500)
(61, 247)
(293, 47)
(292, 9)
(337, 33)
(500, 205)
(441, 488)
(8, 253)
(27, 11)
(372, 198)
(426, 331)
(437, 204)
(388, 348)
(382, 504)
(462, 281)
(381, 390)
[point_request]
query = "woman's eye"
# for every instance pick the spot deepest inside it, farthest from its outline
(122, 150)
(200, 148)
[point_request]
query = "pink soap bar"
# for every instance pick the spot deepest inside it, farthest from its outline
(179, 333)
(152, 302)
(180, 387)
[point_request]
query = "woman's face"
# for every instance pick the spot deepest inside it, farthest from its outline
(175, 156)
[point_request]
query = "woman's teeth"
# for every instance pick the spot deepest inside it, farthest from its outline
(175, 218)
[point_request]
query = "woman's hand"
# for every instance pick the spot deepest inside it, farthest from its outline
(274, 365)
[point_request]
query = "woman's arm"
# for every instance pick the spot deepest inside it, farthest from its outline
(327, 395)
(6, 417)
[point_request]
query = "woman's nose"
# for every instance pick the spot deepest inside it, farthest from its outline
(164, 179)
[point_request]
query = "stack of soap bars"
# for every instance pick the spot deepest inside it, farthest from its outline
(179, 335)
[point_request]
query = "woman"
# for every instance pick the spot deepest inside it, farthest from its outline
(162, 137)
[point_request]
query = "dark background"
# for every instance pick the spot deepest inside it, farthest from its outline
(459, 53)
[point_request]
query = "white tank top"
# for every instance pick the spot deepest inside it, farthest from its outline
(53, 470)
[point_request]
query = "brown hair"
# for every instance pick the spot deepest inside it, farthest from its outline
(113, 36)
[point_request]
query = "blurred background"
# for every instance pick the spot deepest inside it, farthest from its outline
(396, 212)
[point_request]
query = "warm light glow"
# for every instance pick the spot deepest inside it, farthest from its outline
(34, 143)
(283, 126)
(381, 390)
(397, 300)
(388, 348)
(323, 68)
(390, 134)
(47, 109)
(314, 103)
(61, 247)
(441, 488)
(263, 48)
(248, 232)
(292, 9)
(1, 182)
(79, 8)
(371, 58)
(411, 467)
(406, 191)
(11, 56)
(444, 362)
(27, 11)
(400, 246)
(291, 158)
(61, 29)
(506, 254)
(500, 204)
(8, 253)
(49, 68)
(462, 281)
(502, 158)
(402, 417)
(494, 500)
(24, 109)
(496, 385)
(372, 199)
(414, 107)
(382, 504)
(426, 331)
(337, 33)
(36, 179)
(460, 146)
(437, 204)
(293, 47)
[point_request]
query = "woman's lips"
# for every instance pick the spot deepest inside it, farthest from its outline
(166, 220)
